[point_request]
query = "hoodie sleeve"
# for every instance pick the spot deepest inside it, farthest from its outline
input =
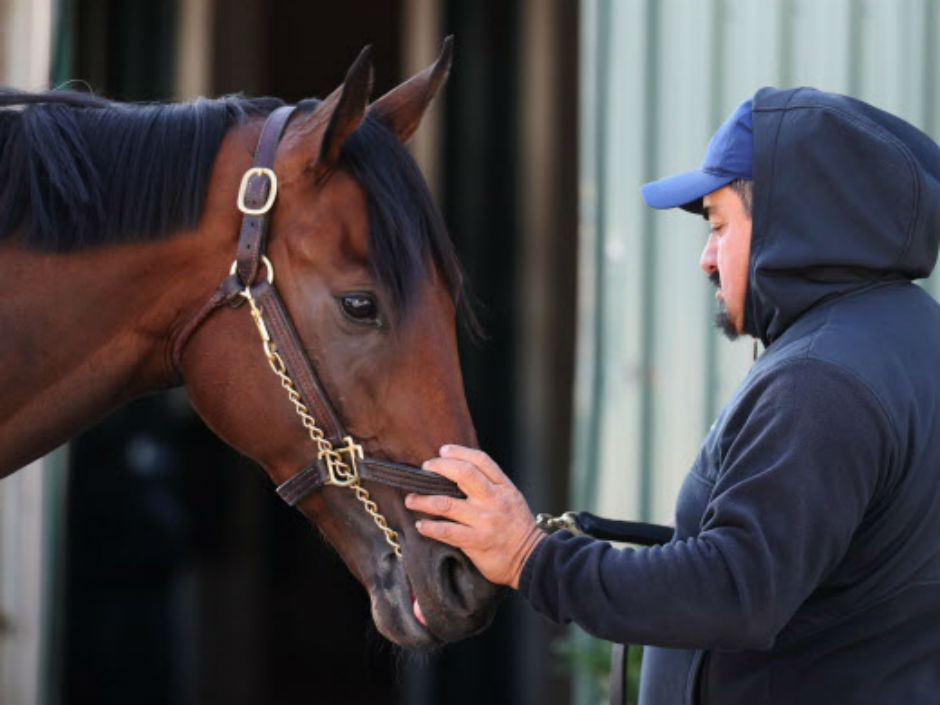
(803, 453)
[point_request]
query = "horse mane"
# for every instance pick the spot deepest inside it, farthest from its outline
(79, 171)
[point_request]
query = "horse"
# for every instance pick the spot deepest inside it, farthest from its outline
(328, 352)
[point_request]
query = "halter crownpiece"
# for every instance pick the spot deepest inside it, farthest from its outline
(340, 462)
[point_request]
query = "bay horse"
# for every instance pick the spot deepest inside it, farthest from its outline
(117, 223)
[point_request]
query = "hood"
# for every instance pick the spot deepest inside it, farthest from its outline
(846, 196)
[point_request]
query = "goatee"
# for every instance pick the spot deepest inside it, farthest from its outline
(722, 320)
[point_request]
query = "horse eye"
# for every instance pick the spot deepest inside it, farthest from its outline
(360, 307)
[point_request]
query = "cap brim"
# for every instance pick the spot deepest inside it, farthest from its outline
(683, 190)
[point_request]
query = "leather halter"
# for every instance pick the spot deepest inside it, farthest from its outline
(256, 197)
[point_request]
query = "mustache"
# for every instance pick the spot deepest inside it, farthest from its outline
(715, 279)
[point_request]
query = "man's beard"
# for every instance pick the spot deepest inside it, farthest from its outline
(722, 319)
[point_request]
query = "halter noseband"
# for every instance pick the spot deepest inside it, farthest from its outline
(338, 462)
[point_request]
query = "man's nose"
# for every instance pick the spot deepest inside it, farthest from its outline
(709, 259)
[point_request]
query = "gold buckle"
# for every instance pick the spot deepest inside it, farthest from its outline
(272, 190)
(343, 474)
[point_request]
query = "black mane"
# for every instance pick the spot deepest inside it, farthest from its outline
(77, 171)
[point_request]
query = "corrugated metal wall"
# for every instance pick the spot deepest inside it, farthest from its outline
(658, 77)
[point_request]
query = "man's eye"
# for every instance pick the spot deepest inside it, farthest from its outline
(362, 308)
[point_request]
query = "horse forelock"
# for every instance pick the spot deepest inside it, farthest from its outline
(407, 234)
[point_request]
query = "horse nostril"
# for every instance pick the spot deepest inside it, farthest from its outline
(453, 581)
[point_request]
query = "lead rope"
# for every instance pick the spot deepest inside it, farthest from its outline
(342, 473)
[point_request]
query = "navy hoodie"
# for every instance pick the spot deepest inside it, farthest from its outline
(805, 567)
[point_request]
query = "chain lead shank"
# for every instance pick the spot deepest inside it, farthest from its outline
(342, 472)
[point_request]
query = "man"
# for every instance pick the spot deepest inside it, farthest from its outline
(805, 566)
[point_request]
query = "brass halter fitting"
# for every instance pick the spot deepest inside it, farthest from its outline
(260, 171)
(342, 474)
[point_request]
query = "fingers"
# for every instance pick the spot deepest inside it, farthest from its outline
(458, 510)
(469, 478)
(446, 532)
(477, 458)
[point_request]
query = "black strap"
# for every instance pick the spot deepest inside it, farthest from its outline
(625, 531)
(618, 674)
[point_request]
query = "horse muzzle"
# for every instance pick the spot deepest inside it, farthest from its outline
(431, 597)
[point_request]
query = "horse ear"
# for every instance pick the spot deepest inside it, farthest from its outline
(402, 108)
(348, 104)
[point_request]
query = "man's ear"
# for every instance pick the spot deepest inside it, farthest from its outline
(402, 108)
(346, 107)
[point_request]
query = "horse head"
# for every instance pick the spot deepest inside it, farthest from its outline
(371, 284)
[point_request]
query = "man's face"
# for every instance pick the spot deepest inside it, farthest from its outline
(726, 255)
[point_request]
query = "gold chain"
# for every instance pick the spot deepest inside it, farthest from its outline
(341, 472)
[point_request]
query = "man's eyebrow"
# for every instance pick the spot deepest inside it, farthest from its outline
(705, 211)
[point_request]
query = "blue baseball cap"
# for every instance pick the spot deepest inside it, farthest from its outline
(729, 156)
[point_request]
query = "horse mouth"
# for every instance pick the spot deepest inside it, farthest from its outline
(420, 622)
(430, 597)
(398, 615)
(416, 609)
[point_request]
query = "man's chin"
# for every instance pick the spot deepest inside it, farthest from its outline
(724, 324)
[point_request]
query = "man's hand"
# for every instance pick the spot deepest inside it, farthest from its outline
(493, 525)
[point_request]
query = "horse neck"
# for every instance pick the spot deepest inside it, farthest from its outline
(87, 331)
(83, 333)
